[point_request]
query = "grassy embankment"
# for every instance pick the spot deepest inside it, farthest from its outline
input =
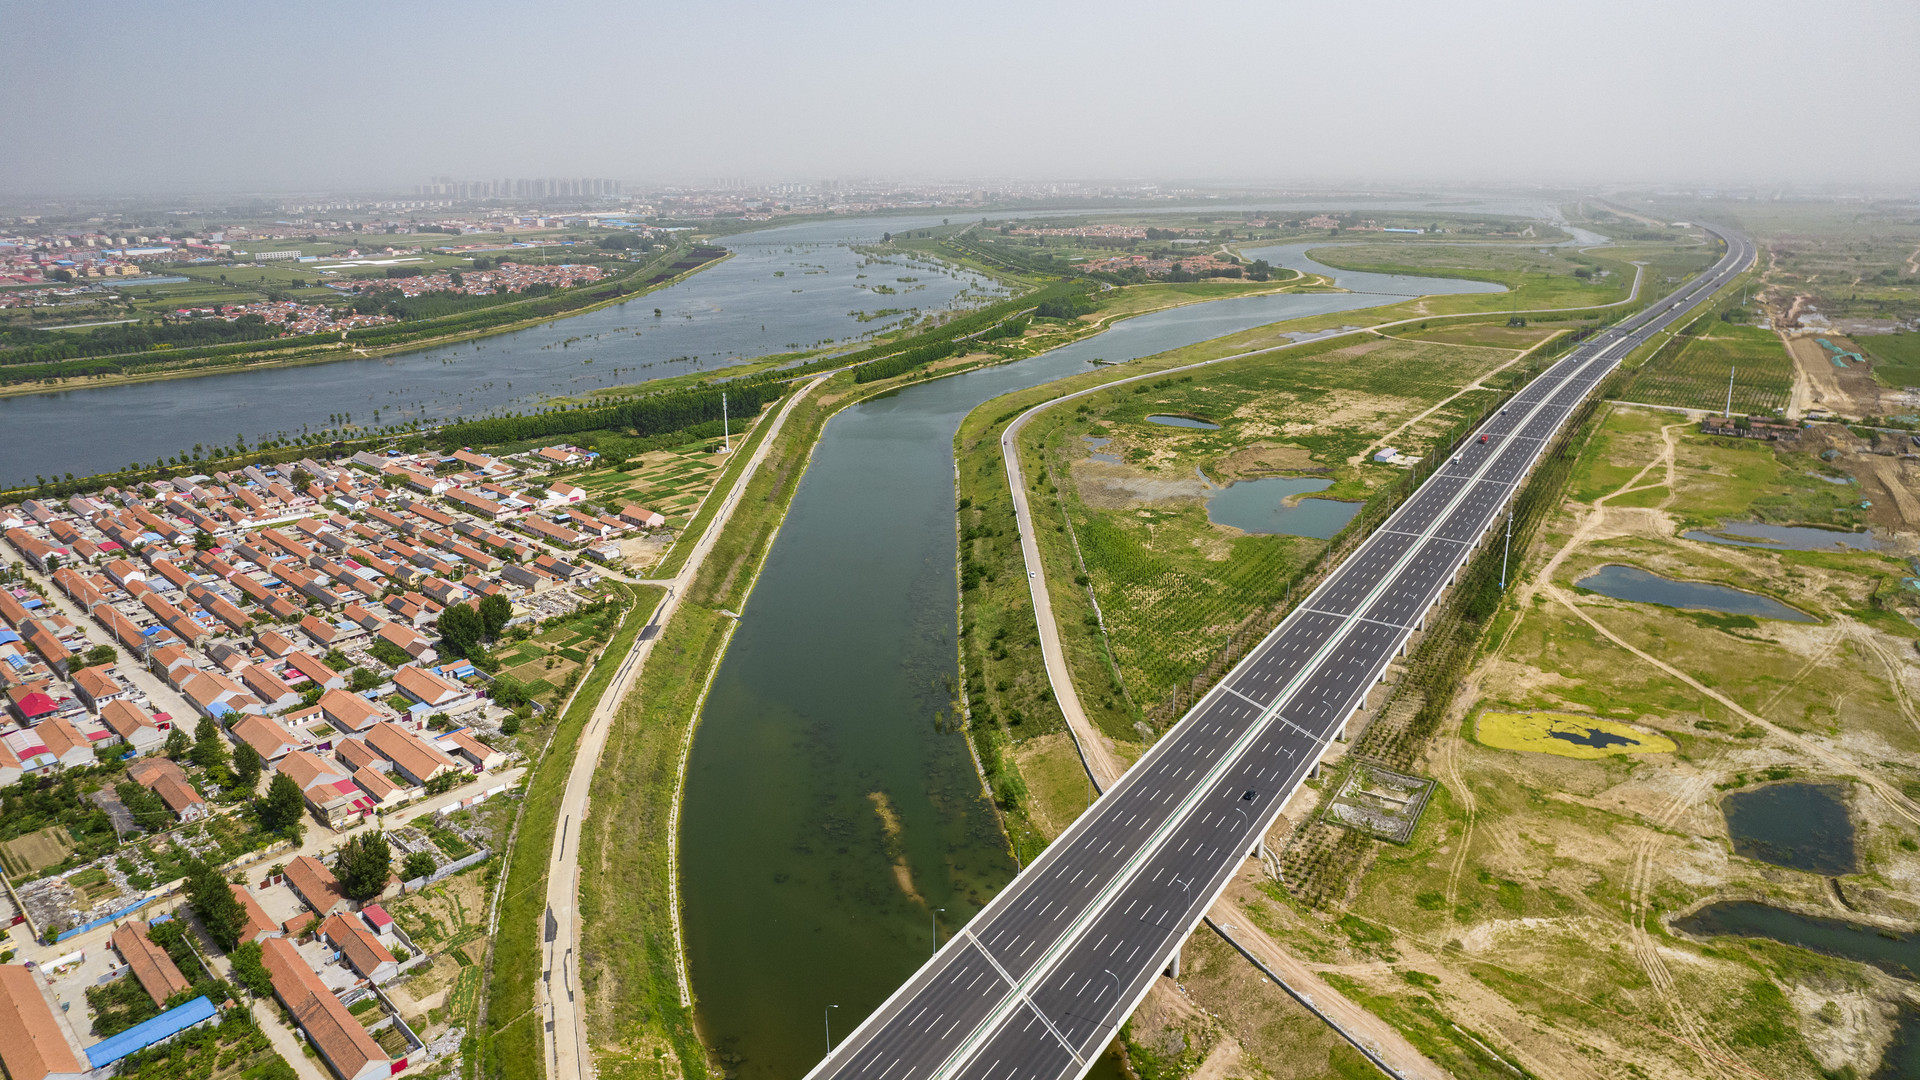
(630, 954)
(510, 1044)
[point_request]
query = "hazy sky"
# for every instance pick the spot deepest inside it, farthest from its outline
(181, 96)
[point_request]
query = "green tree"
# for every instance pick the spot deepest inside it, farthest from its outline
(209, 750)
(460, 629)
(249, 970)
(246, 767)
(417, 865)
(495, 610)
(219, 911)
(364, 865)
(99, 654)
(282, 807)
(178, 743)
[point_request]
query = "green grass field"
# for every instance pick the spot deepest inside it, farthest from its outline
(1896, 357)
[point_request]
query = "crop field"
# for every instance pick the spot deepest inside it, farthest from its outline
(668, 482)
(30, 853)
(1694, 376)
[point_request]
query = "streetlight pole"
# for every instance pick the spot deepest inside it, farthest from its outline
(826, 1021)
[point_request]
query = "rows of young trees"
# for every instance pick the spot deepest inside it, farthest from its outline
(656, 414)
(26, 345)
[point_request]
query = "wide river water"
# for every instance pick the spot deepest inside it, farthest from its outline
(791, 287)
(831, 809)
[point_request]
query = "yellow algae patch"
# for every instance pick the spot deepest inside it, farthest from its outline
(1568, 735)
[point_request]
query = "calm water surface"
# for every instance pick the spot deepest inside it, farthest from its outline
(1802, 826)
(830, 809)
(1642, 587)
(1784, 537)
(1169, 420)
(736, 310)
(1273, 505)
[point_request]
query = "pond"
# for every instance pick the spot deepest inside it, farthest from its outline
(1784, 537)
(1800, 826)
(1275, 504)
(1096, 445)
(1642, 587)
(1170, 420)
(1896, 954)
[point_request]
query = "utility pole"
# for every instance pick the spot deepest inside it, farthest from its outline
(726, 439)
(1728, 414)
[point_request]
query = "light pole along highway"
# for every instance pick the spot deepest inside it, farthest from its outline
(1040, 980)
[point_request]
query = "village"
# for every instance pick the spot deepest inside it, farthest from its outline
(222, 693)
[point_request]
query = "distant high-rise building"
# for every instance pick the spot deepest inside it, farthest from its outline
(548, 187)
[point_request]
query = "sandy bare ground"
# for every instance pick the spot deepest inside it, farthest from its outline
(1890, 474)
(1816, 373)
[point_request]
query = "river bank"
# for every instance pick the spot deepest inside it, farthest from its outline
(834, 821)
(318, 349)
(781, 290)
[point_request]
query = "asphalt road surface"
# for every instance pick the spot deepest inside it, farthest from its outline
(1039, 982)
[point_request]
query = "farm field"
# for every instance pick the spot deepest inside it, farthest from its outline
(35, 851)
(668, 482)
(1694, 375)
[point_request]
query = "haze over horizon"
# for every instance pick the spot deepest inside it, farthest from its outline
(206, 97)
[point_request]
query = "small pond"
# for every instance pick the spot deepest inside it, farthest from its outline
(1097, 446)
(1274, 505)
(1897, 955)
(1802, 826)
(1642, 587)
(1785, 537)
(1170, 420)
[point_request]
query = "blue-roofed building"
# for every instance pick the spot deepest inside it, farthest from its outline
(149, 1032)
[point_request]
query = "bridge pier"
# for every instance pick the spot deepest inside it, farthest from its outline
(1173, 966)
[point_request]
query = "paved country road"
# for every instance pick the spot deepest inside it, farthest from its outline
(1043, 976)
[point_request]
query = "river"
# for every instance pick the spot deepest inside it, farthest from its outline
(729, 312)
(732, 311)
(830, 808)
